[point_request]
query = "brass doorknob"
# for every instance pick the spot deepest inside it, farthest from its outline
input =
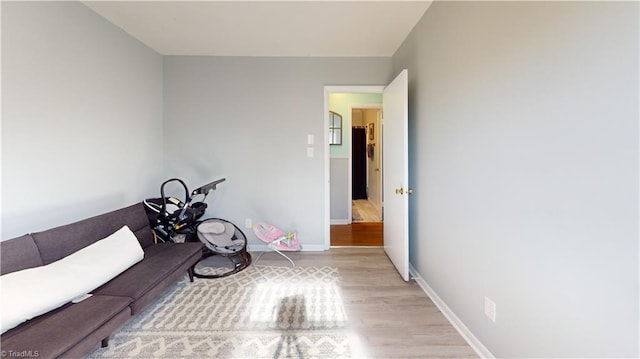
(401, 191)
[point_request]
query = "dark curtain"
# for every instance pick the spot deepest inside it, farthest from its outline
(358, 163)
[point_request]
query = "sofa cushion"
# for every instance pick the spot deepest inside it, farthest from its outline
(159, 261)
(18, 254)
(56, 332)
(61, 281)
(59, 242)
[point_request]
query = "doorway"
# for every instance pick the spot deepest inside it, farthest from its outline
(352, 170)
(366, 165)
(395, 169)
(358, 163)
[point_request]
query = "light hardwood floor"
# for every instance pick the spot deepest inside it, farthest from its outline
(365, 211)
(388, 317)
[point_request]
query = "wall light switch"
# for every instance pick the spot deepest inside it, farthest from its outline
(310, 152)
(310, 139)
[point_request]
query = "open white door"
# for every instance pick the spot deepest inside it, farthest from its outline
(396, 172)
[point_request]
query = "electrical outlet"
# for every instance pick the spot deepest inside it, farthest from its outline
(490, 309)
(247, 223)
(310, 152)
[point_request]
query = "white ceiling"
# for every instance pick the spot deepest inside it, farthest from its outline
(266, 28)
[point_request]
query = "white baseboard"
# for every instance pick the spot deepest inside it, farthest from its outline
(340, 221)
(468, 336)
(264, 248)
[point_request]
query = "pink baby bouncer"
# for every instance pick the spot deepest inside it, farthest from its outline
(277, 240)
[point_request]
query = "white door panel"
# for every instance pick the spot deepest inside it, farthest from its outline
(396, 173)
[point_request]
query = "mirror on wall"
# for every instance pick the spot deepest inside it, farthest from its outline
(335, 128)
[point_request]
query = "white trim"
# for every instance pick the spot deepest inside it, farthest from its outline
(327, 154)
(348, 200)
(353, 89)
(468, 336)
(357, 247)
(265, 248)
(340, 222)
(327, 171)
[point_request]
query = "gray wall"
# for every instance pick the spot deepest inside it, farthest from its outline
(81, 116)
(524, 160)
(340, 201)
(247, 119)
(524, 151)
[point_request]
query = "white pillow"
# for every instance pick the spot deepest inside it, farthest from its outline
(31, 292)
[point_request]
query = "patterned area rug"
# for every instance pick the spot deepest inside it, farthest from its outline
(266, 312)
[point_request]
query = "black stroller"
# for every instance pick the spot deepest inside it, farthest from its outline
(177, 221)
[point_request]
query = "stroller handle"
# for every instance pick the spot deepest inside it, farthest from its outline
(186, 192)
(208, 187)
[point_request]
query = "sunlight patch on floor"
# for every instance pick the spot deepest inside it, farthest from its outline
(306, 304)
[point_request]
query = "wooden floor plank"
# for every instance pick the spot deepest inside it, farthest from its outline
(364, 210)
(387, 317)
(357, 234)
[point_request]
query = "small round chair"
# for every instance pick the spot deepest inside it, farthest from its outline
(225, 239)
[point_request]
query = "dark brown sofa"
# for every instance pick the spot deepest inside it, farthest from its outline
(75, 330)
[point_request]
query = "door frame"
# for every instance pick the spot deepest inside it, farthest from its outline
(327, 164)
